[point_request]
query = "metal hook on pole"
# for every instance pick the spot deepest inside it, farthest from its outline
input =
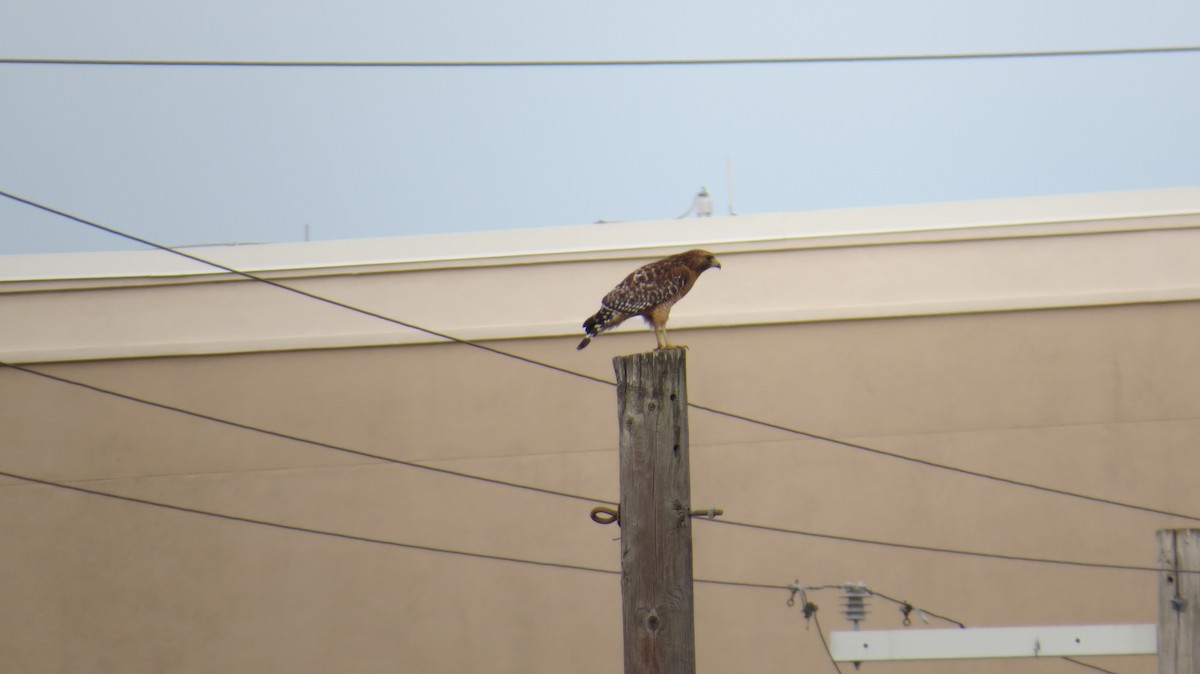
(606, 515)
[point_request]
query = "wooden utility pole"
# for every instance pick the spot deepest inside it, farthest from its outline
(656, 533)
(1179, 601)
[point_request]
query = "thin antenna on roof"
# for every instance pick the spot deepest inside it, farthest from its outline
(729, 182)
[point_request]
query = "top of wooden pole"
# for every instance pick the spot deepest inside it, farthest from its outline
(676, 351)
(658, 358)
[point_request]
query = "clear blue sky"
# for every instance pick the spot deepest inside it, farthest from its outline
(196, 155)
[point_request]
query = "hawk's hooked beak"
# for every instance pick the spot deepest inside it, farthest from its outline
(715, 263)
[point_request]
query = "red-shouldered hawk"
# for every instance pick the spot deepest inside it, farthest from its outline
(650, 292)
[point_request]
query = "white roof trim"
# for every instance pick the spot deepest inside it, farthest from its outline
(468, 247)
(400, 336)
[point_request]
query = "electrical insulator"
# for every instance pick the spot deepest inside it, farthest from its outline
(855, 603)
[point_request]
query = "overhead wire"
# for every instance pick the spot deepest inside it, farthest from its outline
(601, 63)
(307, 441)
(588, 377)
(55, 484)
(292, 289)
(946, 467)
(296, 528)
(1089, 665)
(922, 609)
(935, 549)
(824, 644)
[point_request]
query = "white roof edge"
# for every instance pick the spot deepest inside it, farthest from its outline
(464, 247)
(571, 329)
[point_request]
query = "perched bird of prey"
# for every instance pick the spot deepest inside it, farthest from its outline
(650, 292)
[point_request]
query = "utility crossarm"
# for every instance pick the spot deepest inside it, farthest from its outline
(994, 642)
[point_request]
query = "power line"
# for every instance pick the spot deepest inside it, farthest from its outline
(588, 377)
(936, 549)
(297, 291)
(942, 466)
(821, 636)
(599, 63)
(307, 441)
(922, 609)
(297, 528)
(1081, 663)
(352, 537)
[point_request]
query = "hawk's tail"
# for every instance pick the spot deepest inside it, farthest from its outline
(596, 325)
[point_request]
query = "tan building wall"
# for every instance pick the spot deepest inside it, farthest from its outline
(1054, 344)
